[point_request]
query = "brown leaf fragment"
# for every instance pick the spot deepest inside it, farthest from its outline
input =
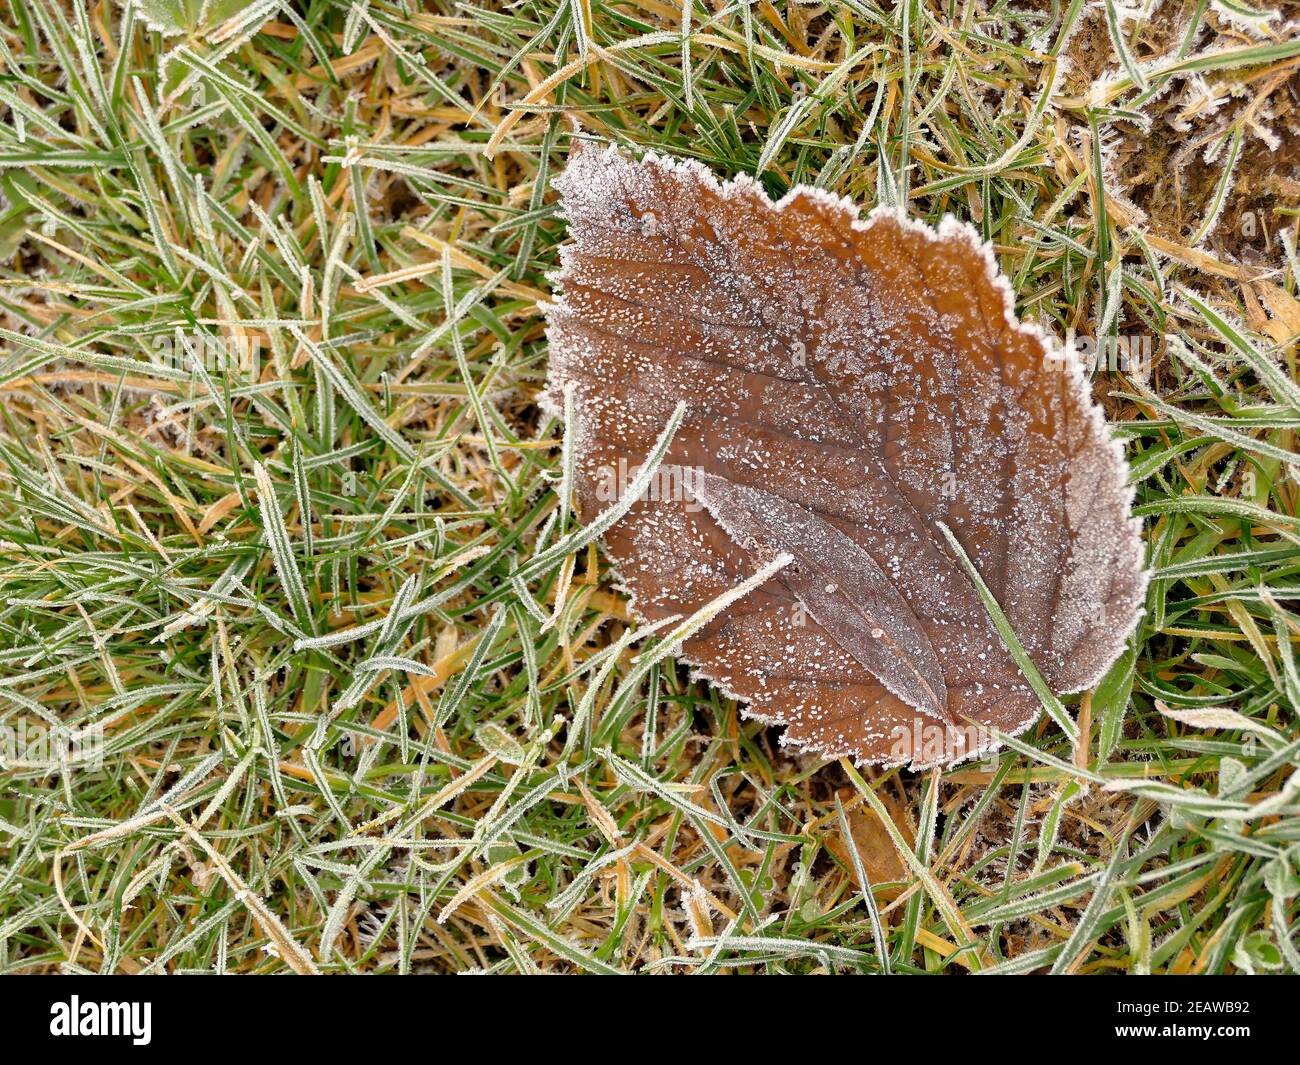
(850, 384)
(879, 856)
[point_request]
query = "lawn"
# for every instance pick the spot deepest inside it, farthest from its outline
(305, 664)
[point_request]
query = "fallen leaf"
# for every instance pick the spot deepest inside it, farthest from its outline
(850, 384)
(1284, 326)
(879, 856)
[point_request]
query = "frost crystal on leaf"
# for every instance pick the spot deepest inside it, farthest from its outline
(850, 385)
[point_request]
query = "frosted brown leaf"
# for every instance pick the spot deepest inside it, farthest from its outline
(850, 384)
